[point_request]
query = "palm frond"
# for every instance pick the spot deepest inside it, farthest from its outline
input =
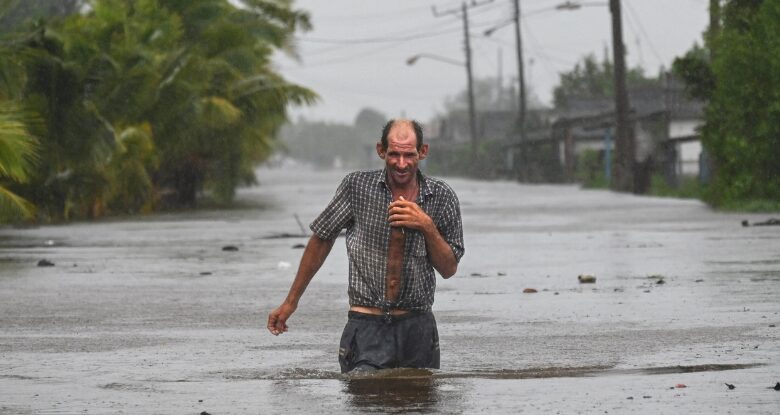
(17, 147)
(276, 87)
(13, 206)
(217, 112)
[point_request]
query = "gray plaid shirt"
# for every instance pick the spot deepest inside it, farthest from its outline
(360, 205)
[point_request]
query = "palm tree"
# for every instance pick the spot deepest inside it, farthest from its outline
(221, 106)
(17, 158)
(142, 98)
(18, 148)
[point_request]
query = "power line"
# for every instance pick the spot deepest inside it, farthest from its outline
(635, 17)
(389, 38)
(380, 15)
(394, 37)
(543, 57)
(344, 59)
(378, 39)
(343, 43)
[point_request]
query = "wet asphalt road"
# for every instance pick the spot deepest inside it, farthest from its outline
(151, 315)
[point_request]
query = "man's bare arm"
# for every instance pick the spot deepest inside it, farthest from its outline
(440, 252)
(314, 256)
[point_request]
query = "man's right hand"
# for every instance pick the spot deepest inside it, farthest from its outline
(277, 320)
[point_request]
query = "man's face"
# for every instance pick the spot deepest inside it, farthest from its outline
(401, 156)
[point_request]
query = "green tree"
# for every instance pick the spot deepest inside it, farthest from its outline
(742, 133)
(17, 159)
(74, 141)
(143, 98)
(18, 148)
(591, 79)
(220, 104)
(695, 69)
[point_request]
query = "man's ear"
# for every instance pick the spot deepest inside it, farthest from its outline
(379, 150)
(423, 153)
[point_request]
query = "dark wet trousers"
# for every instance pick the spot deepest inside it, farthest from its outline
(371, 342)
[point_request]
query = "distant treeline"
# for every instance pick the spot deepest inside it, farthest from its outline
(119, 106)
(330, 144)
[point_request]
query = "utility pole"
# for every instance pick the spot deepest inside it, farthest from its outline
(623, 178)
(521, 99)
(470, 74)
(464, 11)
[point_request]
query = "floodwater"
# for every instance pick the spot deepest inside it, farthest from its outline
(151, 315)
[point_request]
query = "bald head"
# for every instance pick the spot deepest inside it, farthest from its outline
(415, 126)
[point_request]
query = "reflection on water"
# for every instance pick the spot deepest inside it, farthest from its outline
(399, 376)
(422, 391)
(407, 392)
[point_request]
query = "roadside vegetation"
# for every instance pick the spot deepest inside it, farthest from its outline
(123, 107)
(738, 74)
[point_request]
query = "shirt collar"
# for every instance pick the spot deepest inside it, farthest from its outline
(425, 190)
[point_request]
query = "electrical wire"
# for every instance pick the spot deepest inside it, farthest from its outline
(343, 43)
(388, 39)
(369, 16)
(642, 29)
(348, 58)
(537, 49)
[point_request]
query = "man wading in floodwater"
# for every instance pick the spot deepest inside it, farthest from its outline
(400, 226)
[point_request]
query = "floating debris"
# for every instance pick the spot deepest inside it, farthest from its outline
(285, 235)
(298, 246)
(768, 222)
(586, 279)
(680, 386)
(530, 291)
(283, 265)
(45, 263)
(230, 248)
(777, 386)
(730, 386)
(205, 273)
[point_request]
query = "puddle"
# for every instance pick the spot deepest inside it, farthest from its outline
(503, 374)
(129, 387)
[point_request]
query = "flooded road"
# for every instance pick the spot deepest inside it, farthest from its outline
(151, 315)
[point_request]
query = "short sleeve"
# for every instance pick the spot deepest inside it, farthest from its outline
(336, 216)
(451, 225)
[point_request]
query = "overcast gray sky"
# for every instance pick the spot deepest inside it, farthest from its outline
(355, 56)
